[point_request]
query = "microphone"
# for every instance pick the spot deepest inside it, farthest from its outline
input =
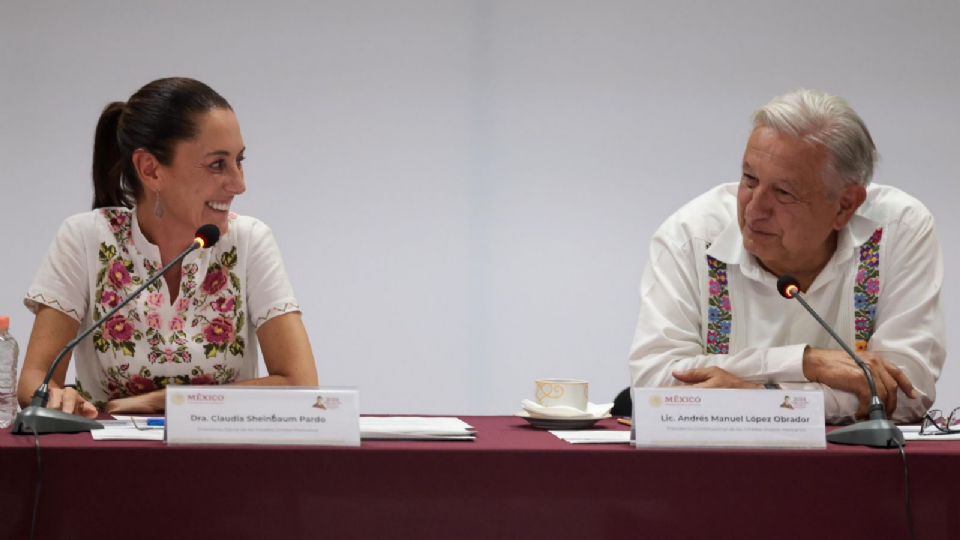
(877, 431)
(37, 418)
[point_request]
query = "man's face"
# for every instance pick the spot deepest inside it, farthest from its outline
(787, 215)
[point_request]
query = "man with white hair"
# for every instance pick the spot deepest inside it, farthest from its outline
(866, 257)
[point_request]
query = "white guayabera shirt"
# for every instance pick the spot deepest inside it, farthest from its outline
(206, 335)
(705, 301)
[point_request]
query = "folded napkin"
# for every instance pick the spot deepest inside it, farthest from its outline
(594, 410)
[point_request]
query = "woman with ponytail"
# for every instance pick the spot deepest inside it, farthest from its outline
(167, 161)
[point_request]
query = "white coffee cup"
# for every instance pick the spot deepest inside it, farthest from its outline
(568, 392)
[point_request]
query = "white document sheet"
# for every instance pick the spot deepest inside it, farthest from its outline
(912, 433)
(125, 428)
(415, 428)
(595, 436)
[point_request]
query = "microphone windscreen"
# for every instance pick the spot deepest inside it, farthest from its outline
(210, 234)
(788, 286)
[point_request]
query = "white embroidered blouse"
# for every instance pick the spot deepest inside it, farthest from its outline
(206, 336)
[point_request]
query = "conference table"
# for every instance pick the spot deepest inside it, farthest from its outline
(514, 481)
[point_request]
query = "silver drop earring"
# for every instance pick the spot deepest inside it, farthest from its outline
(157, 207)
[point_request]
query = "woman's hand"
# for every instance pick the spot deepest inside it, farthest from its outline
(69, 401)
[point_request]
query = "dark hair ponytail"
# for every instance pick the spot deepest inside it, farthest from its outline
(155, 118)
(108, 188)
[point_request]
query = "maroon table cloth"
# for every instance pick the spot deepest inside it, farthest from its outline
(514, 481)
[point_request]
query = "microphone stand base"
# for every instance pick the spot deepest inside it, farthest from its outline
(877, 433)
(41, 420)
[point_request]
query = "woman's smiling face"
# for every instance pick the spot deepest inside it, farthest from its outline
(206, 174)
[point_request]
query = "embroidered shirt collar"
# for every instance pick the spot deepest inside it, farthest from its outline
(728, 247)
(151, 252)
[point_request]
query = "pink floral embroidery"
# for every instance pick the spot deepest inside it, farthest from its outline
(140, 385)
(118, 222)
(188, 283)
(110, 299)
(176, 324)
(866, 292)
(155, 300)
(221, 319)
(719, 317)
(214, 282)
(182, 304)
(119, 275)
(119, 328)
(219, 331)
(715, 288)
(121, 383)
(206, 378)
(224, 305)
(154, 321)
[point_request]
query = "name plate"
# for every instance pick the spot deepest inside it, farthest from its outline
(696, 417)
(262, 415)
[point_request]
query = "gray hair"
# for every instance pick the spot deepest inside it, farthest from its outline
(828, 120)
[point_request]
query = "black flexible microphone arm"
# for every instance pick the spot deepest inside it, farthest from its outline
(789, 288)
(42, 395)
(37, 418)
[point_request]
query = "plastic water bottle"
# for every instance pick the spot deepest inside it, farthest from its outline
(9, 350)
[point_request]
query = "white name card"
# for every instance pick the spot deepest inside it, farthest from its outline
(263, 415)
(696, 417)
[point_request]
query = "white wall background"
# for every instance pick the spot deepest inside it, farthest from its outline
(464, 190)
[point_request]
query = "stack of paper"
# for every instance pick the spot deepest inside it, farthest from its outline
(593, 437)
(912, 433)
(415, 428)
(130, 428)
(371, 428)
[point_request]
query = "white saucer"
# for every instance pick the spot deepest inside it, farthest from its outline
(594, 411)
(560, 423)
